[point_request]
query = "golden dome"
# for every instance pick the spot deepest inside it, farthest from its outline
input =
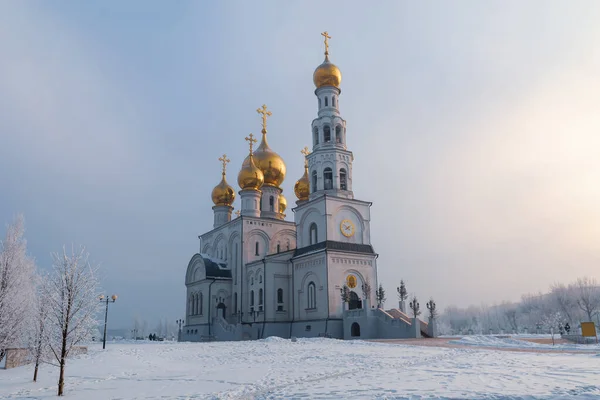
(270, 163)
(282, 203)
(250, 176)
(327, 74)
(223, 194)
(302, 186)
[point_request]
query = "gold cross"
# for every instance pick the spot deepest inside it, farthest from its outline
(306, 152)
(250, 139)
(238, 212)
(263, 111)
(326, 36)
(224, 160)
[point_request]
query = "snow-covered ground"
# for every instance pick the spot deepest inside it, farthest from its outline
(310, 368)
(516, 342)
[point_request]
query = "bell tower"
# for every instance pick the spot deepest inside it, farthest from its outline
(330, 163)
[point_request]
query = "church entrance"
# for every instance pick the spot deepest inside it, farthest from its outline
(355, 329)
(354, 302)
(221, 310)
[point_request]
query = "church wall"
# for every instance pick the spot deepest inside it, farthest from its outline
(358, 212)
(341, 265)
(313, 212)
(307, 270)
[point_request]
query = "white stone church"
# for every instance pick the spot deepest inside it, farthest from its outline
(259, 275)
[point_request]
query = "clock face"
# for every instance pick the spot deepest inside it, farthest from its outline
(347, 228)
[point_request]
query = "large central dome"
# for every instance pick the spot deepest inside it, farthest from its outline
(270, 163)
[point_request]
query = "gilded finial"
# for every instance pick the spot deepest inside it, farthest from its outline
(238, 212)
(265, 114)
(326, 36)
(250, 139)
(224, 160)
(306, 152)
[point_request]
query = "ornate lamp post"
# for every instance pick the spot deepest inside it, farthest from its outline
(415, 307)
(179, 322)
(106, 299)
(431, 307)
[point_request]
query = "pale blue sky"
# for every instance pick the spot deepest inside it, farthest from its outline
(475, 128)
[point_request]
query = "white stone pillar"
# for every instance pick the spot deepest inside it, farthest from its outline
(222, 215)
(250, 199)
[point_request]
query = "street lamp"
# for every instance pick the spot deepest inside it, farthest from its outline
(432, 308)
(179, 322)
(106, 299)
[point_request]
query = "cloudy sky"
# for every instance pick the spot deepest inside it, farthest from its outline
(475, 128)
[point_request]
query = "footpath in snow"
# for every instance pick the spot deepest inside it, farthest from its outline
(277, 368)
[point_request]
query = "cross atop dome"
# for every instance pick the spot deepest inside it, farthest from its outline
(326, 36)
(225, 161)
(265, 114)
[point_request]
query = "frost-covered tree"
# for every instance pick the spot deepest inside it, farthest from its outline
(39, 348)
(72, 293)
(402, 293)
(345, 294)
(380, 294)
(553, 322)
(17, 271)
(564, 299)
(588, 296)
(366, 289)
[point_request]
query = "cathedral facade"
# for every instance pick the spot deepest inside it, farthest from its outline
(259, 275)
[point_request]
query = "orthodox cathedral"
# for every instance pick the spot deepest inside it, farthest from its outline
(258, 275)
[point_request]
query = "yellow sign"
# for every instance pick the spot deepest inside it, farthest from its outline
(588, 329)
(351, 281)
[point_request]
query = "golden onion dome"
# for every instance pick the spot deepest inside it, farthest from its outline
(270, 163)
(327, 74)
(223, 194)
(282, 203)
(302, 186)
(250, 176)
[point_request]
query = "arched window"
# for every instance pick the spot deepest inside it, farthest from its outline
(278, 247)
(338, 134)
(252, 281)
(196, 299)
(191, 305)
(313, 233)
(312, 296)
(271, 203)
(326, 101)
(316, 135)
(260, 279)
(260, 297)
(319, 103)
(314, 182)
(256, 249)
(200, 304)
(235, 306)
(280, 295)
(333, 101)
(326, 134)
(328, 178)
(252, 298)
(343, 180)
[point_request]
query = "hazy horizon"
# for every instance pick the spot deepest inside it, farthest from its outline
(474, 126)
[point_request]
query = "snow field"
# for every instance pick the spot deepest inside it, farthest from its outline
(277, 368)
